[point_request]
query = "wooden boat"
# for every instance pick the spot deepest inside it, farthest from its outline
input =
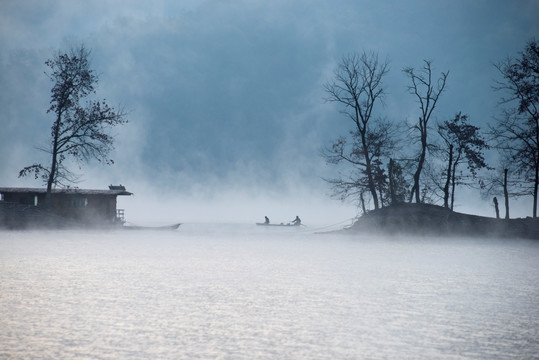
(281, 224)
(166, 227)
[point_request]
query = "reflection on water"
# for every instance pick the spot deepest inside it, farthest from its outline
(238, 292)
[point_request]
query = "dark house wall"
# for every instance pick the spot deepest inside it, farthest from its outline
(23, 198)
(85, 208)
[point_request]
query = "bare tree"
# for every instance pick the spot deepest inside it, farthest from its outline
(503, 182)
(427, 92)
(516, 133)
(357, 87)
(79, 131)
(462, 142)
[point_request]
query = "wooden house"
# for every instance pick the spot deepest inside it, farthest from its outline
(19, 207)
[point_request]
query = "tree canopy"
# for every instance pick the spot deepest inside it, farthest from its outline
(357, 87)
(516, 133)
(81, 126)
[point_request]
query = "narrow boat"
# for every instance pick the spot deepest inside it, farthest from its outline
(281, 224)
(166, 227)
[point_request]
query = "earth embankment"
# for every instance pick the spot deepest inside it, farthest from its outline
(425, 219)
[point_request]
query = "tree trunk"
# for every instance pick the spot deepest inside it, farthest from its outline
(381, 193)
(496, 208)
(417, 174)
(453, 186)
(368, 169)
(392, 195)
(536, 165)
(54, 163)
(363, 208)
(448, 180)
(372, 187)
(453, 178)
(535, 190)
(506, 194)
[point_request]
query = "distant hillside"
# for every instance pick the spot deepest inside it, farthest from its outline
(424, 219)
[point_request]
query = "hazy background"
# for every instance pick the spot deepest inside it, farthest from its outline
(225, 100)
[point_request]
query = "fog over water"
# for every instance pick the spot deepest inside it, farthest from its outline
(242, 292)
(227, 118)
(226, 98)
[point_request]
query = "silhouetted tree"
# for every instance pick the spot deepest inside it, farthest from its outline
(506, 192)
(397, 184)
(428, 92)
(357, 87)
(381, 181)
(516, 133)
(79, 131)
(496, 208)
(502, 182)
(462, 142)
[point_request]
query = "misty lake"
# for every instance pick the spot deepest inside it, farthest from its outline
(242, 292)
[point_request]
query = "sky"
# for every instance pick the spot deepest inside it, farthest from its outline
(225, 98)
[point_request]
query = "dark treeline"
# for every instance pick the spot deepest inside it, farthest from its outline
(374, 170)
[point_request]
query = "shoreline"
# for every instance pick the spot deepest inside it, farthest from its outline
(429, 220)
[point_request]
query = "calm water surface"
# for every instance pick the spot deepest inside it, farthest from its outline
(241, 292)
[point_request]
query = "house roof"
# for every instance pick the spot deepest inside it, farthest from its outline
(70, 191)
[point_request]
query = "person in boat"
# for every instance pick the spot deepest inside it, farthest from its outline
(296, 221)
(266, 221)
